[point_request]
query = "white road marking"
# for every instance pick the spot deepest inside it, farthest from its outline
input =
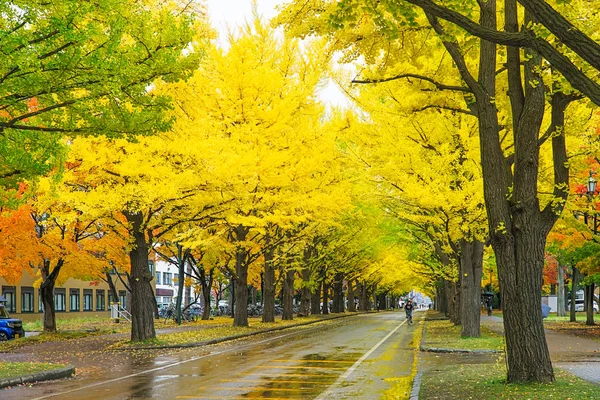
(327, 393)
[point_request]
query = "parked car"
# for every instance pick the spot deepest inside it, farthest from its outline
(579, 305)
(10, 328)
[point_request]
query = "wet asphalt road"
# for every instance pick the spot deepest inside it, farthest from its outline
(355, 358)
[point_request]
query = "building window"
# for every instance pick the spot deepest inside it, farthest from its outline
(100, 305)
(9, 293)
(176, 278)
(158, 278)
(87, 300)
(74, 300)
(26, 299)
(60, 300)
(123, 298)
(151, 266)
(167, 278)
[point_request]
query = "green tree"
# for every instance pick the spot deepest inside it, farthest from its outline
(73, 67)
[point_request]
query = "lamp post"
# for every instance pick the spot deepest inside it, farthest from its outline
(589, 289)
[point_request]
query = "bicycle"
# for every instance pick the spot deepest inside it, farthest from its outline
(409, 318)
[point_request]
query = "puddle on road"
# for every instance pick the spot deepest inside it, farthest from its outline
(308, 377)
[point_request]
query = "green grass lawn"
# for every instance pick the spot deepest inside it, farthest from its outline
(487, 382)
(444, 334)
(14, 369)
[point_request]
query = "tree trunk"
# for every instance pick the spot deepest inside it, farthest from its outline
(142, 313)
(560, 299)
(589, 304)
(351, 305)
(521, 287)
(240, 301)
(268, 288)
(206, 284)
(338, 293)
(288, 295)
(305, 299)
(443, 297)
(453, 302)
(315, 300)
(111, 286)
(47, 293)
(574, 283)
(471, 263)
(325, 298)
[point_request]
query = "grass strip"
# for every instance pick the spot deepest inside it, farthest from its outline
(444, 334)
(487, 382)
(15, 369)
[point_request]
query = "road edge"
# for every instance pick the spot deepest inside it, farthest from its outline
(53, 374)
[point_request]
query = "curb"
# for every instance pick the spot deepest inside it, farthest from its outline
(229, 338)
(414, 393)
(60, 373)
(462, 351)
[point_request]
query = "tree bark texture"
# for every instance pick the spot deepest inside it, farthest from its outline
(240, 317)
(142, 313)
(574, 283)
(589, 304)
(338, 293)
(351, 305)
(47, 293)
(325, 298)
(471, 265)
(315, 300)
(288, 295)
(306, 284)
(560, 299)
(269, 288)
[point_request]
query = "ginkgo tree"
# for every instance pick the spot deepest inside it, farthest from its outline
(277, 166)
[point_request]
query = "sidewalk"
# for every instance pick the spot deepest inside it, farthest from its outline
(574, 354)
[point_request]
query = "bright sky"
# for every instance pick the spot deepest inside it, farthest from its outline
(232, 13)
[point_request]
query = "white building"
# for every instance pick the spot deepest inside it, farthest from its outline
(167, 278)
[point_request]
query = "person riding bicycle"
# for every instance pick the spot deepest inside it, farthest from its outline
(408, 307)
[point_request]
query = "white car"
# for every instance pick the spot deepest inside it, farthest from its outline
(579, 305)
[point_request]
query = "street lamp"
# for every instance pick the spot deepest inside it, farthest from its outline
(591, 184)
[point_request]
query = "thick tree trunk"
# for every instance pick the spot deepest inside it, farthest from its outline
(47, 293)
(325, 298)
(574, 283)
(471, 263)
(338, 293)
(268, 288)
(305, 298)
(521, 288)
(589, 304)
(315, 300)
(351, 305)
(560, 299)
(453, 302)
(288, 295)
(442, 300)
(362, 296)
(142, 312)
(206, 285)
(240, 301)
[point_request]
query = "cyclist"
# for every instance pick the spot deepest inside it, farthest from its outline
(408, 307)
